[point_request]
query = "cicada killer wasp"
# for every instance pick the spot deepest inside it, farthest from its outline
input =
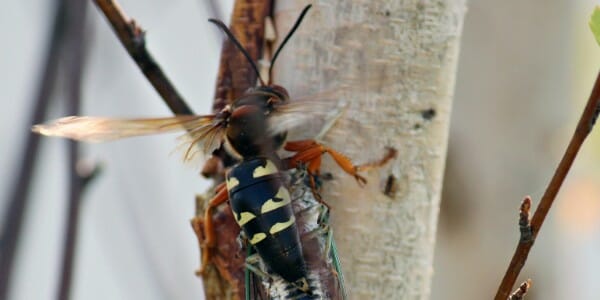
(320, 252)
(252, 128)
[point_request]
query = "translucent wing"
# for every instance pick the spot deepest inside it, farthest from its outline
(205, 131)
(201, 141)
(301, 111)
(98, 129)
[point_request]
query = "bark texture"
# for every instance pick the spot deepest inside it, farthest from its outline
(392, 66)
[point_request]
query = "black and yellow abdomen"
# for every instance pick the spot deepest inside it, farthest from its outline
(262, 207)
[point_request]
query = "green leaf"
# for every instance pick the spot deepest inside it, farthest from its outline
(595, 23)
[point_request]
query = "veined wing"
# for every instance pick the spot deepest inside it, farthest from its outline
(99, 129)
(300, 111)
(204, 131)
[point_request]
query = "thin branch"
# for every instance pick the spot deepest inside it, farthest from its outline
(74, 62)
(15, 211)
(584, 127)
(132, 36)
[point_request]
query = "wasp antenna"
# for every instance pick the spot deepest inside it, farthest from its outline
(289, 35)
(223, 27)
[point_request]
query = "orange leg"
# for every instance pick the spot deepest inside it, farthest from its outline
(391, 153)
(209, 231)
(310, 152)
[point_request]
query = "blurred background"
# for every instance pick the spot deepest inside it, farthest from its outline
(525, 72)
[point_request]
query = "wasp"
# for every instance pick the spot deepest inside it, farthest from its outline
(252, 128)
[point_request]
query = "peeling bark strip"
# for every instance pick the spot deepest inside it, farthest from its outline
(235, 73)
(225, 277)
(390, 61)
(235, 76)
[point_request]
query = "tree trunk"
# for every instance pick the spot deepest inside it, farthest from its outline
(393, 65)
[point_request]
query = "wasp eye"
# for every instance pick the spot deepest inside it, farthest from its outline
(281, 91)
(271, 104)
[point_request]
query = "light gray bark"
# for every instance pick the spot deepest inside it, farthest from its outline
(393, 64)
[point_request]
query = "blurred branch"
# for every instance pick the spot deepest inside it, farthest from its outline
(75, 46)
(132, 36)
(584, 127)
(520, 293)
(15, 211)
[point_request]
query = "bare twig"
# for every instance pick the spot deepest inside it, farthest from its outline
(15, 211)
(584, 127)
(132, 37)
(520, 293)
(75, 61)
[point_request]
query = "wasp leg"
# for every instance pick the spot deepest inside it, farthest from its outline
(252, 262)
(391, 153)
(309, 151)
(197, 225)
(209, 231)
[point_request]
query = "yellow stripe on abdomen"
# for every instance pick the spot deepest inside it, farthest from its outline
(244, 217)
(232, 182)
(271, 204)
(268, 169)
(256, 238)
(281, 226)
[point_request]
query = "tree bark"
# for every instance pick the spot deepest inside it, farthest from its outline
(392, 64)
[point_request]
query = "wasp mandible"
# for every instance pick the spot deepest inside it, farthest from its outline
(252, 128)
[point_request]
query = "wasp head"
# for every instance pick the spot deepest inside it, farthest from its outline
(247, 127)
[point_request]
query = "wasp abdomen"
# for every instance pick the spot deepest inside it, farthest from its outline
(261, 205)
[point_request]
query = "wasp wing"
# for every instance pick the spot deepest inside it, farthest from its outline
(301, 111)
(206, 131)
(201, 141)
(99, 129)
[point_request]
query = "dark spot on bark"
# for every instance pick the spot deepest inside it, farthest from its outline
(428, 114)
(327, 176)
(594, 117)
(391, 186)
(387, 13)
